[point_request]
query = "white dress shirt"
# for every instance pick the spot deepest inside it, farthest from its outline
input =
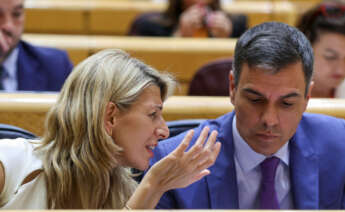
(9, 80)
(248, 173)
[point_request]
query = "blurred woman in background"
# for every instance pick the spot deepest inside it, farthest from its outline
(324, 26)
(190, 18)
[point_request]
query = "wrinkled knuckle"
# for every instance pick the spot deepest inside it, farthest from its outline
(189, 169)
(171, 159)
(208, 151)
(181, 164)
(211, 160)
(184, 145)
(198, 148)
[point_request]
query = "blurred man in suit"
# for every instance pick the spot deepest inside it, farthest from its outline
(273, 155)
(24, 66)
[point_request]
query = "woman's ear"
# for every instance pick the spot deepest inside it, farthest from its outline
(109, 117)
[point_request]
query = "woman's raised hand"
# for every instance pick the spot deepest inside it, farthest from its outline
(181, 168)
(177, 170)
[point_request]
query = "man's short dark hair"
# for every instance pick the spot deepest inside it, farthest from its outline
(273, 46)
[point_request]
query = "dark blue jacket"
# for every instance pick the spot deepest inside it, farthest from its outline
(41, 68)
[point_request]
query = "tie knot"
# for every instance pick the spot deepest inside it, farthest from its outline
(268, 168)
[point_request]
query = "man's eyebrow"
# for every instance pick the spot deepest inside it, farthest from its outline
(294, 94)
(249, 90)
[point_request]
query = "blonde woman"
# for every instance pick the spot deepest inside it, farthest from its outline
(107, 117)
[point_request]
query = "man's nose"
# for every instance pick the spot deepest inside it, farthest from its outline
(270, 116)
(6, 23)
(340, 68)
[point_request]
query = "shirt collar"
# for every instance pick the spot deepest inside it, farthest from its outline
(247, 158)
(10, 64)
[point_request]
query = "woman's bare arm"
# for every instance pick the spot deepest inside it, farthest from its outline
(2, 177)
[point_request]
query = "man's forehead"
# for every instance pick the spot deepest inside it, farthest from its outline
(267, 69)
(285, 81)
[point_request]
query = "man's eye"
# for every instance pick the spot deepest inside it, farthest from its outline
(287, 104)
(330, 57)
(255, 100)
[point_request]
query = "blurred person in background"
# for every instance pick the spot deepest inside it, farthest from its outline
(190, 18)
(23, 66)
(324, 26)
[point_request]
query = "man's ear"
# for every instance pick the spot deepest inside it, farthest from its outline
(232, 87)
(109, 117)
(308, 95)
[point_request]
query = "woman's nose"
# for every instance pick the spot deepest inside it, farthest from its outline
(163, 131)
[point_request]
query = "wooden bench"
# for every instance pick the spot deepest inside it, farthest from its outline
(114, 17)
(180, 56)
(28, 110)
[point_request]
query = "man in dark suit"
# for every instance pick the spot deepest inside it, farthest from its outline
(273, 155)
(24, 66)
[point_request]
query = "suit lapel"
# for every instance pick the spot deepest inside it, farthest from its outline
(30, 77)
(222, 181)
(304, 171)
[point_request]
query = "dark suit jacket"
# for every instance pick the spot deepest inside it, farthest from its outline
(41, 68)
(317, 164)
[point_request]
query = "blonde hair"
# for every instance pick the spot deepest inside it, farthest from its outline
(80, 157)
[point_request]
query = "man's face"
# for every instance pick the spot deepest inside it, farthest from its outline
(269, 105)
(11, 25)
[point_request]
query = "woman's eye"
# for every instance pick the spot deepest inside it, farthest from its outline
(17, 14)
(153, 115)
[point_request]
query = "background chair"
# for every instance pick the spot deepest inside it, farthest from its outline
(9, 131)
(179, 126)
(211, 79)
(144, 23)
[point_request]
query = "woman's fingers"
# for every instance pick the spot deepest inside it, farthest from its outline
(208, 158)
(211, 140)
(184, 144)
(211, 150)
(199, 144)
(200, 175)
(181, 168)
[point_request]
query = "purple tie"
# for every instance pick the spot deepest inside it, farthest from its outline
(268, 195)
